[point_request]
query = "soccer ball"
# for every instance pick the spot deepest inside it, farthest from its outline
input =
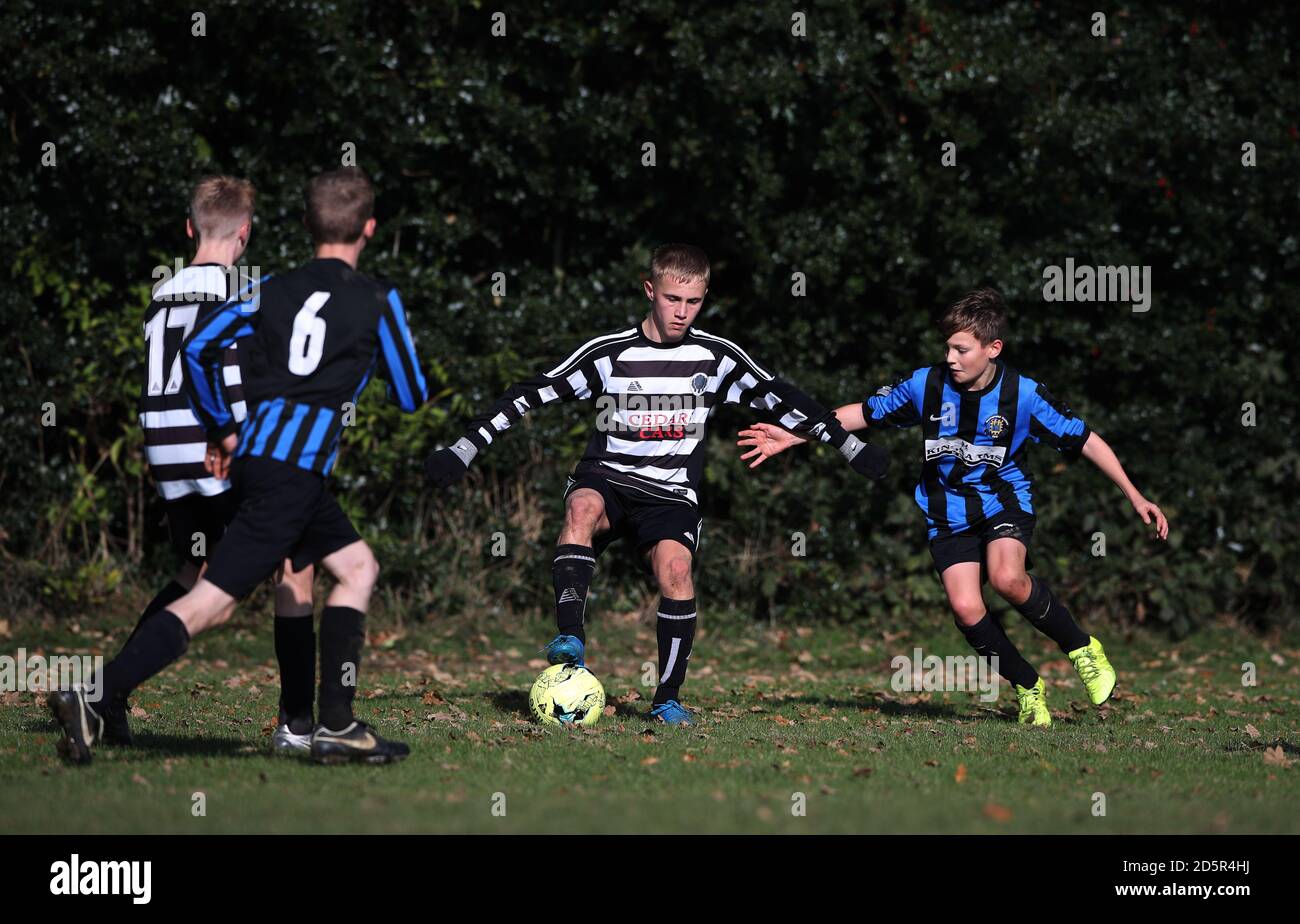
(567, 695)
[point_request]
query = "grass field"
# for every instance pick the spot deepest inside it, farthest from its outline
(1183, 746)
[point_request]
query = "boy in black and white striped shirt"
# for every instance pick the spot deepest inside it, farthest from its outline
(654, 386)
(199, 506)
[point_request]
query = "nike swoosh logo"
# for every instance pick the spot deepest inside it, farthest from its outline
(363, 744)
(360, 744)
(940, 417)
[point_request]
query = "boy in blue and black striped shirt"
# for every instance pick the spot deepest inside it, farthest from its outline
(309, 340)
(978, 416)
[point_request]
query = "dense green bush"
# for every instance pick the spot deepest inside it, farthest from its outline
(522, 154)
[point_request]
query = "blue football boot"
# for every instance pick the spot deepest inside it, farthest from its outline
(672, 713)
(566, 649)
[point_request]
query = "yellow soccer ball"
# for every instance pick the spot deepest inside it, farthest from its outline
(564, 694)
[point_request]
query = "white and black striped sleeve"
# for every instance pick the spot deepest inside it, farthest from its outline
(745, 382)
(574, 379)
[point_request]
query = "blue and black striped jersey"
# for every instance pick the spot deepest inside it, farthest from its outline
(974, 465)
(309, 341)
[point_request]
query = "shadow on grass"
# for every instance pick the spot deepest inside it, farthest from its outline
(165, 745)
(516, 702)
(876, 702)
(186, 746)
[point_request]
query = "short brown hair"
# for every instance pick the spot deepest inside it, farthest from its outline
(219, 205)
(683, 262)
(339, 203)
(981, 313)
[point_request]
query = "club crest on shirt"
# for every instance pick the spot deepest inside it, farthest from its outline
(699, 382)
(995, 426)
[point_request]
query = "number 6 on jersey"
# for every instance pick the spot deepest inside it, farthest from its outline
(308, 340)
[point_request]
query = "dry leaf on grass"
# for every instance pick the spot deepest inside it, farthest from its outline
(999, 813)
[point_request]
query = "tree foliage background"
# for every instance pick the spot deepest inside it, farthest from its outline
(522, 154)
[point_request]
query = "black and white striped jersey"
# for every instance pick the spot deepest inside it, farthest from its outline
(174, 441)
(652, 403)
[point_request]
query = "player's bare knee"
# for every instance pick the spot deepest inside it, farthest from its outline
(362, 572)
(675, 576)
(583, 513)
(355, 568)
(967, 612)
(1010, 583)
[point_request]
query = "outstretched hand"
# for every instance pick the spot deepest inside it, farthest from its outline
(1149, 513)
(767, 440)
(444, 468)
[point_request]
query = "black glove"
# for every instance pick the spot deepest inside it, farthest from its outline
(865, 459)
(445, 467)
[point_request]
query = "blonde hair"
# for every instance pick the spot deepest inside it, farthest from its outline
(682, 262)
(219, 206)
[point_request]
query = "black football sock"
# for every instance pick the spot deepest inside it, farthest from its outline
(989, 640)
(1050, 617)
(165, 598)
(295, 649)
(157, 642)
(676, 630)
(342, 633)
(571, 572)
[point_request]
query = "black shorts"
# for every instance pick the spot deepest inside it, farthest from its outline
(640, 515)
(284, 512)
(196, 515)
(1011, 523)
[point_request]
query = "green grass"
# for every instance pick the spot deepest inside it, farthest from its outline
(1182, 747)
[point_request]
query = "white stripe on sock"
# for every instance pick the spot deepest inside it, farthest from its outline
(672, 659)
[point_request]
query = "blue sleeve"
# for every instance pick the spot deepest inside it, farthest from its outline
(401, 367)
(204, 354)
(1052, 422)
(894, 405)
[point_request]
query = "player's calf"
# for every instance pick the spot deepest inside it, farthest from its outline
(340, 737)
(675, 632)
(571, 573)
(342, 631)
(295, 651)
(674, 627)
(983, 633)
(1044, 612)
